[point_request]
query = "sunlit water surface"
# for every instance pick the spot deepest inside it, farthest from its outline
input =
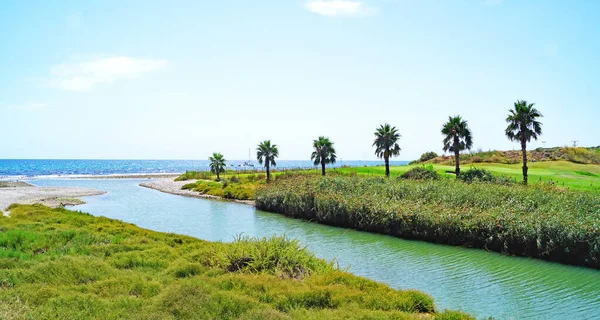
(478, 282)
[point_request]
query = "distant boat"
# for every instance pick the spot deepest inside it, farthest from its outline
(249, 162)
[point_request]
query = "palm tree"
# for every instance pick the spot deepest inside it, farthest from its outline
(457, 138)
(386, 143)
(217, 164)
(324, 152)
(267, 153)
(522, 126)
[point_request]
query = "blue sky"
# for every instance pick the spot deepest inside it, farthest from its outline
(180, 80)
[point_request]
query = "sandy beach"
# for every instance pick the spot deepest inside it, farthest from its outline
(174, 187)
(8, 179)
(23, 193)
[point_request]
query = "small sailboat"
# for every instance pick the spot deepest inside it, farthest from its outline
(249, 162)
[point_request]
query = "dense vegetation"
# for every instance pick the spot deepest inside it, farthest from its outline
(573, 154)
(421, 173)
(232, 188)
(425, 157)
(544, 223)
(60, 264)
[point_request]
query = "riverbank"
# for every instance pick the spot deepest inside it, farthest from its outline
(24, 193)
(175, 187)
(555, 225)
(64, 264)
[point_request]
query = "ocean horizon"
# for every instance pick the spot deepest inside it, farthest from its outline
(11, 169)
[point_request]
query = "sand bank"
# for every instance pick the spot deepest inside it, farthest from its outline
(174, 187)
(23, 193)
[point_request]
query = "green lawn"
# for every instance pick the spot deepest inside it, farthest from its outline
(563, 173)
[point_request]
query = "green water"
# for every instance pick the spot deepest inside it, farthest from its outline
(479, 282)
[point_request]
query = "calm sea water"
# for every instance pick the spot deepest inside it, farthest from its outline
(14, 168)
(479, 282)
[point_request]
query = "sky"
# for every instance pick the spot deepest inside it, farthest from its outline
(183, 79)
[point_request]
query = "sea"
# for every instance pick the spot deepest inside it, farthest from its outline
(21, 169)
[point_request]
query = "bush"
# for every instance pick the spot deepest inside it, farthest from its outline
(476, 175)
(421, 173)
(581, 155)
(194, 175)
(189, 186)
(426, 157)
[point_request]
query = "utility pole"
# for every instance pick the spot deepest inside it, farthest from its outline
(544, 143)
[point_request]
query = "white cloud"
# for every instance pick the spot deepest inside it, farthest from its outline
(334, 8)
(85, 75)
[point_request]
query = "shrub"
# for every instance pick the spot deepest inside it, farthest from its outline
(581, 155)
(476, 159)
(476, 175)
(426, 157)
(194, 175)
(189, 186)
(421, 173)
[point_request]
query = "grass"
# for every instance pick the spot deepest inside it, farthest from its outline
(60, 264)
(561, 173)
(541, 222)
(238, 185)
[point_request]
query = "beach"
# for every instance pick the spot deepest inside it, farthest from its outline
(168, 185)
(24, 193)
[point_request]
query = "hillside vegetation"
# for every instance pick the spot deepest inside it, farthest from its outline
(538, 222)
(60, 264)
(575, 155)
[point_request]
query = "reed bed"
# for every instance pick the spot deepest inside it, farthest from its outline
(544, 223)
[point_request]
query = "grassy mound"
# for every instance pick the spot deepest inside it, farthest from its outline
(237, 189)
(549, 224)
(60, 264)
(573, 154)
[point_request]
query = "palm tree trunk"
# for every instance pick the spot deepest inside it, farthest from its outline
(218, 178)
(525, 169)
(457, 163)
(387, 165)
(268, 172)
(322, 166)
(456, 148)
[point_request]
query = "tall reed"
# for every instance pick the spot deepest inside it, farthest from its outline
(544, 223)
